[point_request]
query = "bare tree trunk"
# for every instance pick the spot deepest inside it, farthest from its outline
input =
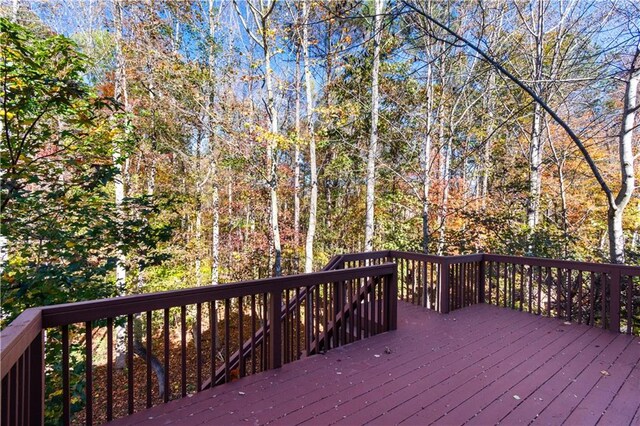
(213, 148)
(313, 198)
(486, 159)
(15, 6)
(535, 149)
(425, 157)
(121, 96)
(296, 160)
(444, 208)
(627, 176)
(373, 141)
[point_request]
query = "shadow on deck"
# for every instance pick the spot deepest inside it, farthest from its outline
(477, 365)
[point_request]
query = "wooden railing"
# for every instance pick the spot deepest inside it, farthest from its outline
(229, 331)
(602, 295)
(190, 333)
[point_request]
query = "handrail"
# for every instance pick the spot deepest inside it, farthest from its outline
(567, 264)
(71, 313)
(17, 336)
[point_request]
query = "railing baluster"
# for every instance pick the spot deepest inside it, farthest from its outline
(521, 288)
(629, 287)
(227, 337)
(241, 366)
(198, 346)
(253, 334)
(580, 295)
(569, 296)
(615, 300)
(109, 369)
(6, 400)
(325, 314)
(167, 371)
(592, 299)
(66, 407)
(604, 300)
(149, 354)
(213, 333)
(530, 285)
(88, 374)
(183, 350)
(130, 402)
(549, 281)
(539, 281)
(308, 314)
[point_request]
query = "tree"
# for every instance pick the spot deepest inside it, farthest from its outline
(372, 152)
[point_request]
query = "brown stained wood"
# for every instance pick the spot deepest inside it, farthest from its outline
(109, 369)
(183, 351)
(434, 359)
(149, 354)
(580, 302)
(227, 337)
(242, 365)
(198, 345)
(630, 307)
(88, 374)
(539, 282)
(130, 392)
(166, 354)
(253, 336)
(600, 396)
(592, 299)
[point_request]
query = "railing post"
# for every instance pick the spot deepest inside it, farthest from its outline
(614, 324)
(36, 380)
(391, 291)
(481, 280)
(275, 331)
(444, 287)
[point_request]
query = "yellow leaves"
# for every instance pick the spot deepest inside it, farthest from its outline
(8, 114)
(70, 244)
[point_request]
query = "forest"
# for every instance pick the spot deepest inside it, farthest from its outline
(156, 145)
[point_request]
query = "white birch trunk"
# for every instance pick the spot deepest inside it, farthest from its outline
(373, 141)
(215, 197)
(296, 160)
(313, 197)
(425, 157)
(535, 149)
(121, 96)
(627, 176)
(272, 161)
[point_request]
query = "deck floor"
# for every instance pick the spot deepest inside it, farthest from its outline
(478, 365)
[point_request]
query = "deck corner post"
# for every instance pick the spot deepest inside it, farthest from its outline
(275, 332)
(444, 286)
(36, 380)
(481, 280)
(392, 299)
(614, 323)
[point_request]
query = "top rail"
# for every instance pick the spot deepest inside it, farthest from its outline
(17, 336)
(70, 313)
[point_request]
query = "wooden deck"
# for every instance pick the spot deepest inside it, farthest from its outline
(477, 365)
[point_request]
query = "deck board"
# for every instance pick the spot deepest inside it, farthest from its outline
(464, 367)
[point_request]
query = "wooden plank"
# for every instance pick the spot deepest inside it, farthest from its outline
(590, 409)
(570, 397)
(622, 408)
(533, 378)
(436, 361)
